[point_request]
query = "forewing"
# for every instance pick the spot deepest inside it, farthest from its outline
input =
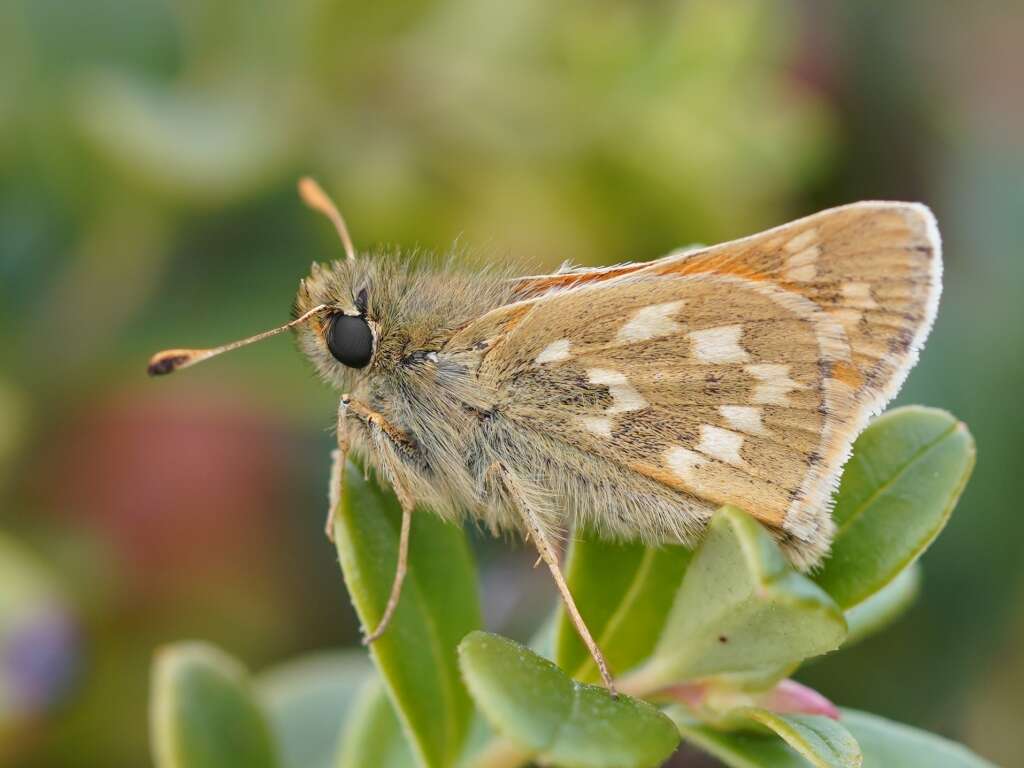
(876, 267)
(734, 374)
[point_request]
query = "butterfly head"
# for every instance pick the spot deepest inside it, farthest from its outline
(332, 311)
(344, 338)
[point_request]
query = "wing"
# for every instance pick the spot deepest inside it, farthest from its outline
(739, 373)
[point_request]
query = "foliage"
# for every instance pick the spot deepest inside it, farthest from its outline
(703, 643)
(558, 720)
(204, 713)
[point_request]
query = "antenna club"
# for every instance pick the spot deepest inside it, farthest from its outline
(313, 195)
(163, 363)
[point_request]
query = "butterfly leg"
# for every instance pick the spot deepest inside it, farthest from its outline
(547, 552)
(400, 569)
(536, 530)
(338, 458)
(403, 544)
(377, 424)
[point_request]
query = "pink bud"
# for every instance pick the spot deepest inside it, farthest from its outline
(790, 697)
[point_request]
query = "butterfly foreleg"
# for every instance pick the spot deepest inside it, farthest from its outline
(517, 496)
(338, 458)
(400, 441)
(399, 579)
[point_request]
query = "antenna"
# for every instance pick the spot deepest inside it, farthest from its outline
(170, 360)
(313, 195)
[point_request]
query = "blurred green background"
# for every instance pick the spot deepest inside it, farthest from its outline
(148, 156)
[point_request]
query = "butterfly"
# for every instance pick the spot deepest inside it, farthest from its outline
(635, 399)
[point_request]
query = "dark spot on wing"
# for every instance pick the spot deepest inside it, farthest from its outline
(712, 385)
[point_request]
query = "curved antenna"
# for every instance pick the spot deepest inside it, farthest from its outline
(171, 360)
(313, 195)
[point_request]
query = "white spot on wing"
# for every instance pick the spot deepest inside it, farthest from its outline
(624, 395)
(801, 274)
(848, 316)
(859, 294)
(804, 257)
(651, 322)
(774, 384)
(684, 463)
(553, 352)
(599, 425)
(803, 265)
(802, 240)
(744, 418)
(719, 345)
(720, 444)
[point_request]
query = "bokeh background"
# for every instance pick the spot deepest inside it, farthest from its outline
(148, 156)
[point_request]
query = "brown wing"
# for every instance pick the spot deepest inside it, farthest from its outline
(739, 373)
(874, 266)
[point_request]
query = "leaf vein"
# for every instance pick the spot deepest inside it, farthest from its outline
(892, 480)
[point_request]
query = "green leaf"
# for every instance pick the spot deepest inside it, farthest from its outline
(822, 741)
(794, 742)
(307, 701)
(556, 719)
(416, 657)
(204, 714)
(739, 749)
(373, 735)
(624, 592)
(741, 608)
(885, 606)
(882, 742)
(897, 492)
(887, 743)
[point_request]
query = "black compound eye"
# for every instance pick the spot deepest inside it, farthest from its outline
(350, 340)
